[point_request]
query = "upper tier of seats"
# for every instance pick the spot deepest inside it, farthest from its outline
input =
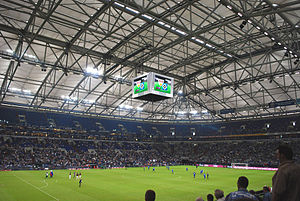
(93, 124)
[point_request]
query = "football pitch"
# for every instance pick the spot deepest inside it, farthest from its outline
(126, 184)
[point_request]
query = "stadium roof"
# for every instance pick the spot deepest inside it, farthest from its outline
(229, 59)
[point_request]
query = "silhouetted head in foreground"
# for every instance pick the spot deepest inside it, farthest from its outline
(150, 195)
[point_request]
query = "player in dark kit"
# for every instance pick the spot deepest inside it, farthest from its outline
(80, 181)
(194, 174)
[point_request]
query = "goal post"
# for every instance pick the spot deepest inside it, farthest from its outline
(239, 165)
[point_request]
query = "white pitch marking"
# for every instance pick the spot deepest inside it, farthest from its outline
(45, 185)
(35, 187)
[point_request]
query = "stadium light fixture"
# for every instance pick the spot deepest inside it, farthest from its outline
(128, 107)
(193, 112)
(198, 40)
(25, 91)
(139, 109)
(30, 56)
(15, 90)
(208, 45)
(9, 51)
(181, 32)
(88, 101)
(147, 17)
(26, 55)
(204, 111)
(68, 98)
(132, 10)
(91, 71)
(181, 112)
(73, 98)
(118, 4)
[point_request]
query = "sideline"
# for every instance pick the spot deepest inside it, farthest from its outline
(35, 187)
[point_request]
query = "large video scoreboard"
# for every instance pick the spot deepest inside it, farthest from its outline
(152, 87)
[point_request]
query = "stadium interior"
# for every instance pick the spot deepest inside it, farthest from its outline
(67, 70)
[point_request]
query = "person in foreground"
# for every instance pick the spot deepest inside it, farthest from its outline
(267, 195)
(286, 180)
(242, 191)
(149, 195)
(219, 194)
(210, 197)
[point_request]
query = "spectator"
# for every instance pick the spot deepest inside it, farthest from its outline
(150, 195)
(199, 199)
(242, 191)
(244, 199)
(219, 194)
(254, 193)
(267, 194)
(210, 197)
(286, 182)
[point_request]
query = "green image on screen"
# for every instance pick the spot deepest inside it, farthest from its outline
(162, 85)
(140, 85)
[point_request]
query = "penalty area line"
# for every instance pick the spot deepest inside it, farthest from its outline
(35, 187)
(45, 185)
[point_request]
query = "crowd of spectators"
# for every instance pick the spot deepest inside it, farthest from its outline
(254, 153)
(38, 153)
(22, 152)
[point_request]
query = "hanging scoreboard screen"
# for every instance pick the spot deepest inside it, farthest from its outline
(162, 84)
(152, 87)
(140, 84)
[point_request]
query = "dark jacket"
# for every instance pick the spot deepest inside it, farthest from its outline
(286, 182)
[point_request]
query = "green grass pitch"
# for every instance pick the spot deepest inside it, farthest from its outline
(125, 184)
